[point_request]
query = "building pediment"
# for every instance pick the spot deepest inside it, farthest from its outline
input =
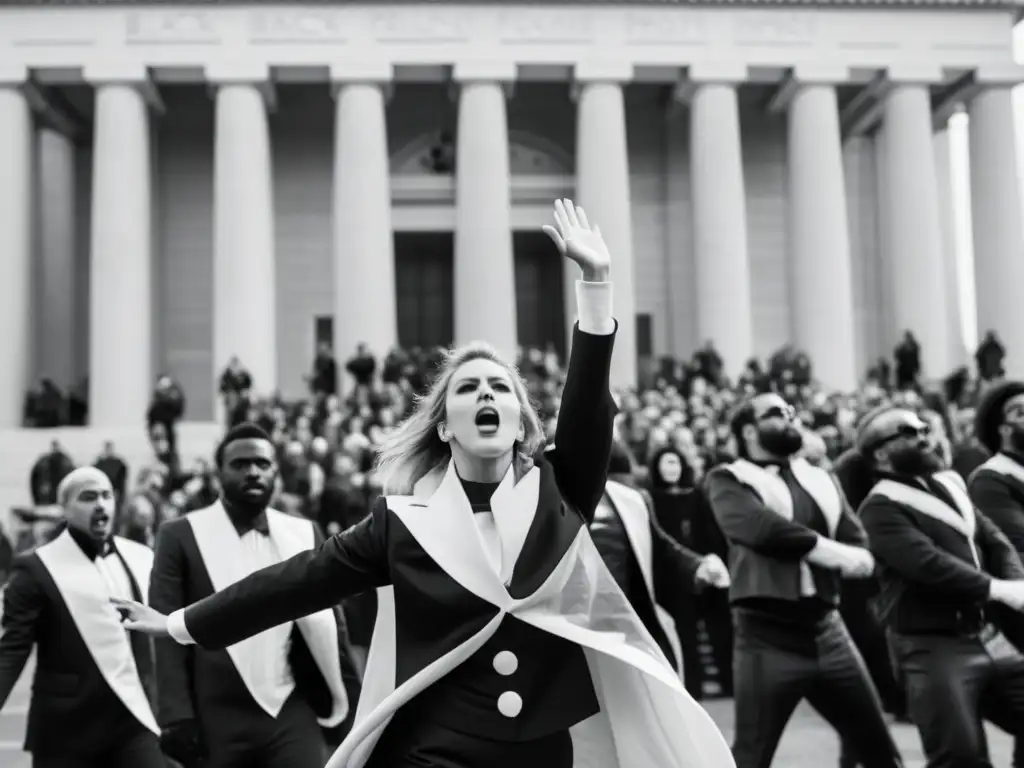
(434, 155)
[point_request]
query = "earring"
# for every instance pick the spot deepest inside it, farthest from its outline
(442, 432)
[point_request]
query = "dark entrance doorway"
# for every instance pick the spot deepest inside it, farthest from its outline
(540, 303)
(425, 294)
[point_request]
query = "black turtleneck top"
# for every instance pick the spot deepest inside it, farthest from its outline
(479, 494)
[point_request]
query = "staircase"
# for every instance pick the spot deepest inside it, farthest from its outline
(20, 448)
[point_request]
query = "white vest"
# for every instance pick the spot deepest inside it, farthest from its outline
(774, 493)
(87, 596)
(221, 549)
(636, 519)
(962, 519)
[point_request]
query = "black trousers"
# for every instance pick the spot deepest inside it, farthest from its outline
(687, 628)
(718, 622)
(140, 751)
(770, 682)
(871, 640)
(294, 741)
(411, 741)
(953, 684)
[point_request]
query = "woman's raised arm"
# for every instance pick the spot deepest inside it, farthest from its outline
(583, 434)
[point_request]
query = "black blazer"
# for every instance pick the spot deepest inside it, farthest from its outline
(674, 574)
(1000, 497)
(929, 583)
(765, 549)
(435, 613)
(204, 685)
(73, 710)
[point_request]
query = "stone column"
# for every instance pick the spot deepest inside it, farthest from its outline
(996, 213)
(602, 189)
(16, 153)
(485, 286)
(244, 295)
(56, 196)
(947, 213)
(914, 228)
(821, 282)
(364, 252)
(120, 276)
(724, 309)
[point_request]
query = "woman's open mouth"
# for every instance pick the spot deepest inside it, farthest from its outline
(488, 421)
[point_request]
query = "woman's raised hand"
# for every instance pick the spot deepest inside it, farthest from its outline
(141, 618)
(577, 240)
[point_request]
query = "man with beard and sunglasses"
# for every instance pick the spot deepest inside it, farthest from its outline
(947, 574)
(260, 703)
(791, 536)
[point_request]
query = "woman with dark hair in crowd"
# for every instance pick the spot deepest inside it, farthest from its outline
(501, 638)
(682, 510)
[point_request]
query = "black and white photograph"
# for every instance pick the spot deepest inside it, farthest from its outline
(511, 384)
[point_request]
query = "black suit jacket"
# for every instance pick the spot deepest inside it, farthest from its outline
(204, 685)
(1000, 497)
(674, 575)
(73, 710)
(435, 614)
(929, 583)
(766, 549)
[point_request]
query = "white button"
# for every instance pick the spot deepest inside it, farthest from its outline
(510, 704)
(506, 663)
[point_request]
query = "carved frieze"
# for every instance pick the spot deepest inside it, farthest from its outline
(180, 27)
(305, 25)
(777, 27)
(543, 26)
(421, 26)
(670, 27)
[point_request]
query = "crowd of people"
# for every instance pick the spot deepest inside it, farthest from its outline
(676, 427)
(327, 441)
(321, 562)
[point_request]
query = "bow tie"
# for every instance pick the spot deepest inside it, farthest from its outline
(91, 548)
(258, 524)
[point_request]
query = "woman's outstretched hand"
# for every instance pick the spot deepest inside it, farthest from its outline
(577, 240)
(141, 618)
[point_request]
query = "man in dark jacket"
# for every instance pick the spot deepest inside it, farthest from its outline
(946, 571)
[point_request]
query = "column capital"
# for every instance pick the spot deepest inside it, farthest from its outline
(998, 75)
(484, 70)
(603, 71)
(13, 74)
(502, 73)
(132, 73)
(914, 74)
(963, 91)
(243, 73)
(719, 72)
(818, 73)
(361, 72)
(708, 73)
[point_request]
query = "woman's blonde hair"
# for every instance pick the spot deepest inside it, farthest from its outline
(414, 449)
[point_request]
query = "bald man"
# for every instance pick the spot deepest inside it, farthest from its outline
(90, 703)
(946, 573)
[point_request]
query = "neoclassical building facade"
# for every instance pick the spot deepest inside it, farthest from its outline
(180, 183)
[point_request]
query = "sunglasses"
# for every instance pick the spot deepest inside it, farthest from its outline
(903, 432)
(786, 413)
